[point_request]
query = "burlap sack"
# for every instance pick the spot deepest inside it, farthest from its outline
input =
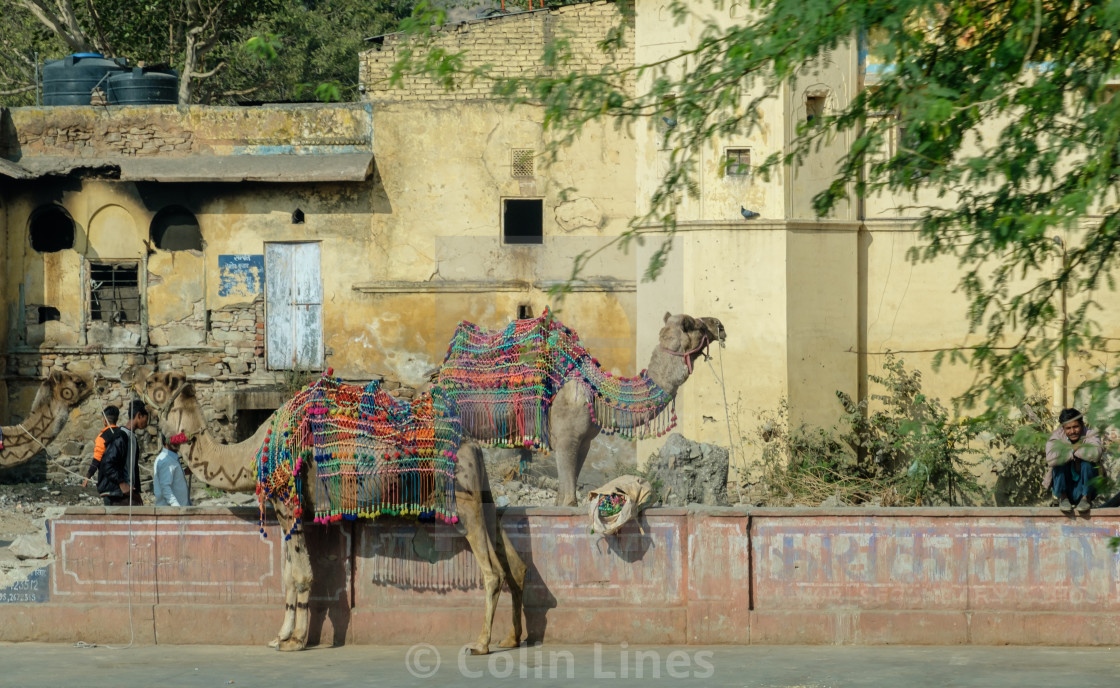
(636, 494)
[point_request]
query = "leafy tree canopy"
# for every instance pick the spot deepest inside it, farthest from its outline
(316, 43)
(1010, 123)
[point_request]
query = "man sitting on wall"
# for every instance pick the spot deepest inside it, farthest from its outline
(1074, 454)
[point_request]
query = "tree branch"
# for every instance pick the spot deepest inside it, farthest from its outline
(212, 72)
(61, 28)
(14, 91)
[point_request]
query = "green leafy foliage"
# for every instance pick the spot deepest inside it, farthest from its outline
(1016, 443)
(897, 447)
(1007, 116)
(238, 50)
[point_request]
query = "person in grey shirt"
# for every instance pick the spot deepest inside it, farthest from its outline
(1074, 454)
(169, 483)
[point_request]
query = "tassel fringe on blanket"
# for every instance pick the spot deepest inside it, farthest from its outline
(505, 382)
(369, 453)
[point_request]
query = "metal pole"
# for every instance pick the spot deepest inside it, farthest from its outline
(1061, 379)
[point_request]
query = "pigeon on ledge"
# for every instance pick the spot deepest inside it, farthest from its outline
(747, 214)
(669, 122)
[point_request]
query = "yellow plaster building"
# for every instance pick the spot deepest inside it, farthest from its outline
(242, 244)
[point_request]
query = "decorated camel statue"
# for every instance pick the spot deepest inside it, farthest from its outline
(336, 452)
(58, 394)
(534, 386)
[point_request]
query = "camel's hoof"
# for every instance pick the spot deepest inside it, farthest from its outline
(274, 643)
(479, 649)
(291, 645)
(511, 641)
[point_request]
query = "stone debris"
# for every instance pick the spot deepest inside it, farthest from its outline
(31, 546)
(691, 472)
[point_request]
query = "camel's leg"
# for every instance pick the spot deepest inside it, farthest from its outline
(476, 512)
(571, 431)
(299, 568)
(289, 595)
(295, 576)
(513, 569)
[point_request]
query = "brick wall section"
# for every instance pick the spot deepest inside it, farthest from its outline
(512, 44)
(115, 139)
(233, 355)
(232, 359)
(168, 130)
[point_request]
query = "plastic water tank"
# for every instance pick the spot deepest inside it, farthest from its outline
(70, 81)
(144, 86)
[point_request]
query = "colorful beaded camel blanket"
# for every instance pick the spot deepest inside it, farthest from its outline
(369, 453)
(505, 381)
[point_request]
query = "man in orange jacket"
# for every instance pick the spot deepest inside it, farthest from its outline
(111, 414)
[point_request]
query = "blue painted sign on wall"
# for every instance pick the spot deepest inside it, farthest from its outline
(36, 588)
(240, 274)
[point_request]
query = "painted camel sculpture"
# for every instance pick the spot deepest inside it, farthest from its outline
(50, 410)
(293, 440)
(534, 386)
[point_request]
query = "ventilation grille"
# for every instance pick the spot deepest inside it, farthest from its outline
(522, 164)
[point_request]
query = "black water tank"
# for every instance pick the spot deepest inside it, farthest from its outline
(144, 86)
(70, 81)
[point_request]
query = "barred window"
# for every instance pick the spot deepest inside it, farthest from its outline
(114, 292)
(738, 162)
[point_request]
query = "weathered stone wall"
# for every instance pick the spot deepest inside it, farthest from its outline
(233, 355)
(169, 130)
(512, 45)
(234, 337)
(107, 137)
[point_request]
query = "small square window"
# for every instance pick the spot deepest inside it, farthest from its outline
(814, 108)
(114, 292)
(738, 163)
(523, 221)
(521, 162)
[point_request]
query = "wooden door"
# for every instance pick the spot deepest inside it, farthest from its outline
(294, 306)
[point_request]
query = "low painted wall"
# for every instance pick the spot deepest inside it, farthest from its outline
(686, 576)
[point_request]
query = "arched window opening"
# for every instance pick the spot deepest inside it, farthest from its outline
(51, 229)
(176, 229)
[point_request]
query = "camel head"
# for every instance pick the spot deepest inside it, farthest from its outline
(716, 331)
(172, 399)
(62, 391)
(684, 339)
(686, 335)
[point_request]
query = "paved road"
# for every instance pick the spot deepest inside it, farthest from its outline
(32, 665)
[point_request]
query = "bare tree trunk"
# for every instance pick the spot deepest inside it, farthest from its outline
(190, 56)
(201, 37)
(63, 21)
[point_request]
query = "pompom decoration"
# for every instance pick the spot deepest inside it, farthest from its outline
(505, 382)
(369, 453)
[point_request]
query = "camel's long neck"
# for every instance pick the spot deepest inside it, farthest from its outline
(23, 441)
(669, 371)
(226, 466)
(634, 407)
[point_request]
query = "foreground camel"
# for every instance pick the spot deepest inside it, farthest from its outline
(59, 393)
(234, 467)
(533, 386)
